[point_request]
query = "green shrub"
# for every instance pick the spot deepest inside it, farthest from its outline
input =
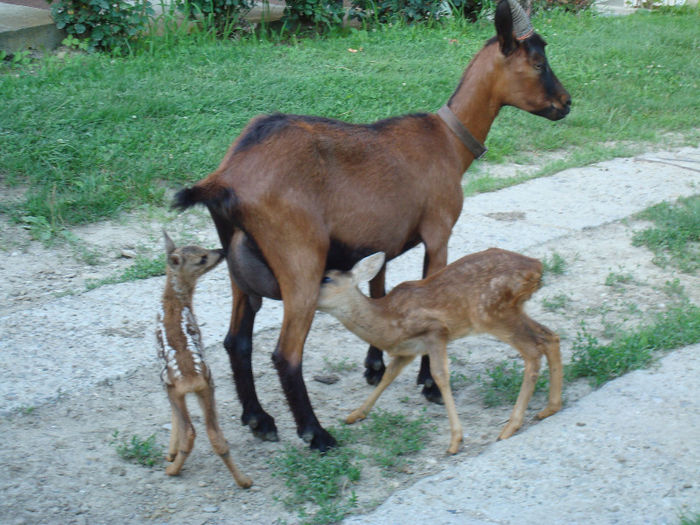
(320, 14)
(106, 25)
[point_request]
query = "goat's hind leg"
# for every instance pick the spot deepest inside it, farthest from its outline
(239, 346)
(184, 429)
(216, 436)
(397, 364)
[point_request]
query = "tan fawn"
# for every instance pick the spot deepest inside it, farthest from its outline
(480, 293)
(180, 346)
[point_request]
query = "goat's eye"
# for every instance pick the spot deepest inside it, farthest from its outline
(539, 66)
(326, 280)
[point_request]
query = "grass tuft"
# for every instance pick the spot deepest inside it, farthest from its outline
(675, 236)
(142, 451)
(501, 385)
(143, 268)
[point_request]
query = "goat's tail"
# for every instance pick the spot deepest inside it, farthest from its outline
(214, 196)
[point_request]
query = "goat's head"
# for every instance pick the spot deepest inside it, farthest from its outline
(527, 81)
(189, 263)
(337, 286)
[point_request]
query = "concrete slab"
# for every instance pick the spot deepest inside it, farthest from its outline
(23, 27)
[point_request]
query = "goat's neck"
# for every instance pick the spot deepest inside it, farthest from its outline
(370, 321)
(475, 102)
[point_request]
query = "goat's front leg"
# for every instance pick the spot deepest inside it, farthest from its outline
(300, 295)
(239, 345)
(435, 260)
(397, 364)
(374, 362)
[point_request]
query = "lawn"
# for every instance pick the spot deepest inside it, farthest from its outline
(91, 136)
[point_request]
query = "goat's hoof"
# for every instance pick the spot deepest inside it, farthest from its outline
(323, 441)
(432, 393)
(374, 372)
(262, 425)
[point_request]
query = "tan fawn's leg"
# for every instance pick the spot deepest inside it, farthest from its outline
(532, 339)
(172, 446)
(397, 363)
(185, 431)
(439, 369)
(216, 436)
(556, 375)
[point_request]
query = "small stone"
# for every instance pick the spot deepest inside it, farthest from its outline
(128, 254)
(326, 379)
(210, 508)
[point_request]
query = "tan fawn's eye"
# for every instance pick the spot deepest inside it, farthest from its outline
(203, 260)
(326, 280)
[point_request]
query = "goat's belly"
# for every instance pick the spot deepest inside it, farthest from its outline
(250, 270)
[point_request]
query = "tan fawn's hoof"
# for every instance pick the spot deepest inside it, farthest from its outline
(357, 415)
(170, 457)
(244, 481)
(508, 431)
(172, 470)
(547, 412)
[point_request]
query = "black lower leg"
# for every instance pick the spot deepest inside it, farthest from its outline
(430, 389)
(239, 346)
(308, 427)
(374, 366)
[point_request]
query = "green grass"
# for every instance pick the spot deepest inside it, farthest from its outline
(142, 451)
(501, 385)
(633, 349)
(558, 302)
(91, 136)
(142, 268)
(320, 485)
(554, 264)
(675, 236)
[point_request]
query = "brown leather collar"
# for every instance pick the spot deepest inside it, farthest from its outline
(473, 145)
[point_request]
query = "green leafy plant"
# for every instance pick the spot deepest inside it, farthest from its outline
(320, 14)
(143, 451)
(107, 25)
(223, 15)
(501, 385)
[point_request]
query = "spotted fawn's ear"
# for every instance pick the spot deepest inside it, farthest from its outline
(368, 268)
(169, 244)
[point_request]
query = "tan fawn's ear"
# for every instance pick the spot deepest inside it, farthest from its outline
(169, 244)
(366, 269)
(174, 260)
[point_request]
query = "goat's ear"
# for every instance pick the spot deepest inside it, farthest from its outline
(504, 28)
(174, 260)
(367, 269)
(169, 244)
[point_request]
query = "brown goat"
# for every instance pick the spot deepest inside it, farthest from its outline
(297, 195)
(480, 293)
(180, 346)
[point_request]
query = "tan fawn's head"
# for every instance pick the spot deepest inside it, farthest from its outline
(337, 286)
(188, 263)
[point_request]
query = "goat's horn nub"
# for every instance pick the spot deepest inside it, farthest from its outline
(522, 27)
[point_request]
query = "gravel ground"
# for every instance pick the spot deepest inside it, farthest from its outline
(79, 365)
